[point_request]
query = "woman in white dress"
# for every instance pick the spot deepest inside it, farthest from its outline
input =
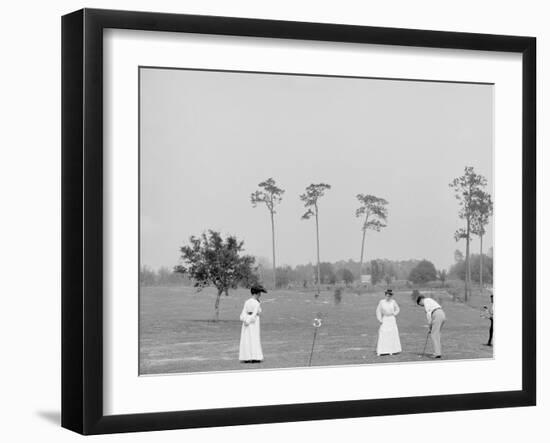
(250, 349)
(388, 334)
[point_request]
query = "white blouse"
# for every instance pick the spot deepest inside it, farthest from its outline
(386, 308)
(430, 305)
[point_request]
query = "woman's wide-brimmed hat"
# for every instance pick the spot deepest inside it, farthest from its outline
(257, 289)
(388, 292)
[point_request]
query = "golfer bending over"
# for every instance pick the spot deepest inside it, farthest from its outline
(436, 320)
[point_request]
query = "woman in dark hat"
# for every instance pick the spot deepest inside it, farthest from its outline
(388, 334)
(250, 349)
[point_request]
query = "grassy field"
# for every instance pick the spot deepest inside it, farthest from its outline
(177, 333)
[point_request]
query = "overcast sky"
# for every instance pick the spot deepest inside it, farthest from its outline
(208, 139)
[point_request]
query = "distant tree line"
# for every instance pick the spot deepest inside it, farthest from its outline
(305, 276)
(162, 277)
(381, 271)
(346, 272)
(481, 268)
(342, 272)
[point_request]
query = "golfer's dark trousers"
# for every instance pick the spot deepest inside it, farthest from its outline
(490, 342)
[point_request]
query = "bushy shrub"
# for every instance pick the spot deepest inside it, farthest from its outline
(423, 272)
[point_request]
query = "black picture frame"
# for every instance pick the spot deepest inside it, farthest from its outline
(82, 220)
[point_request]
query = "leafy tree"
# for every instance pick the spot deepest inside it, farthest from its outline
(423, 272)
(467, 188)
(212, 260)
(374, 213)
(270, 195)
(311, 201)
(483, 210)
(398, 269)
(459, 256)
(346, 275)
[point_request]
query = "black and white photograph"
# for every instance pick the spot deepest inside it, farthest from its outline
(276, 221)
(295, 221)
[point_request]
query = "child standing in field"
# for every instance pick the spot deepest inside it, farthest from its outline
(250, 349)
(388, 334)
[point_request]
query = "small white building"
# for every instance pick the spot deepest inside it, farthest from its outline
(365, 278)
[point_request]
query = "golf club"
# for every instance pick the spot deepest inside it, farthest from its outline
(312, 346)
(426, 342)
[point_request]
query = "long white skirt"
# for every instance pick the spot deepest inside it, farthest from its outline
(251, 347)
(388, 337)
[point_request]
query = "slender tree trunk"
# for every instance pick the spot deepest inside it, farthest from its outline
(318, 254)
(467, 283)
(217, 305)
(362, 250)
(273, 250)
(481, 263)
